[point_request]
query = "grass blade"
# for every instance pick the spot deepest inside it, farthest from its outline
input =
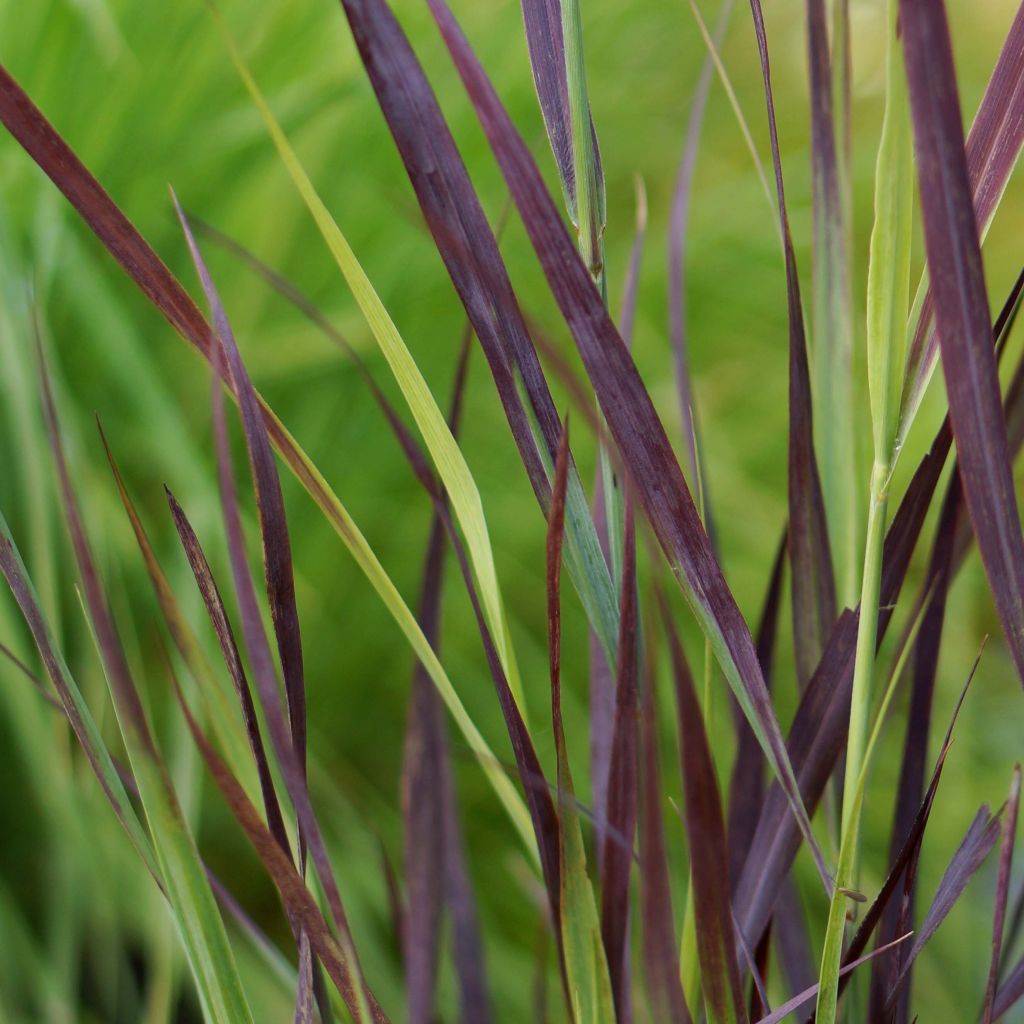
(993, 148)
(961, 312)
(296, 898)
(470, 253)
(181, 870)
(746, 785)
(631, 417)
(705, 830)
(542, 20)
(661, 955)
(44, 145)
(832, 299)
(975, 847)
(617, 859)
(1002, 891)
(586, 969)
(813, 580)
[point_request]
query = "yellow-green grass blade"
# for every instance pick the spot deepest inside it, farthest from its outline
(448, 458)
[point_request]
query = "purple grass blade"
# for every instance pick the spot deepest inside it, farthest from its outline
(746, 784)
(288, 291)
(961, 312)
(277, 552)
(903, 865)
(229, 649)
(974, 848)
(433, 841)
(705, 831)
(679, 219)
(13, 571)
(545, 42)
(992, 150)
(296, 897)
(632, 420)
(107, 639)
(818, 732)
(789, 930)
(1011, 991)
(1002, 891)
(925, 665)
(808, 995)
(661, 954)
(304, 993)
(813, 581)
(617, 860)
(282, 739)
(460, 230)
(601, 691)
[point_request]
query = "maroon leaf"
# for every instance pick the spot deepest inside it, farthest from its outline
(705, 830)
(961, 312)
(975, 847)
(630, 414)
(661, 955)
(992, 149)
(813, 582)
(1002, 891)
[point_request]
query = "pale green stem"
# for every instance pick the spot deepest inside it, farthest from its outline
(856, 744)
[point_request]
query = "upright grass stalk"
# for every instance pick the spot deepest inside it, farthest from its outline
(887, 307)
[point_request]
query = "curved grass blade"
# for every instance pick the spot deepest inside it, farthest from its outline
(705, 831)
(229, 649)
(470, 253)
(805, 997)
(80, 718)
(45, 146)
(903, 866)
(586, 969)
(627, 407)
(296, 898)
(448, 458)
(1002, 891)
(961, 312)
(222, 714)
(819, 726)
(974, 848)
(184, 878)
(813, 581)
(1011, 991)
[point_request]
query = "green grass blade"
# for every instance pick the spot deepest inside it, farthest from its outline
(448, 458)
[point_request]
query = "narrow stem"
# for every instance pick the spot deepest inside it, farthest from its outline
(856, 744)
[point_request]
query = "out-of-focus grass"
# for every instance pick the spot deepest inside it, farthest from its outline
(145, 93)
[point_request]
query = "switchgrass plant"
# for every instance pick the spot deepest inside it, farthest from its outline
(746, 882)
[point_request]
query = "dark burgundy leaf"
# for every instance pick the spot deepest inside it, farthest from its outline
(813, 582)
(961, 312)
(627, 407)
(705, 830)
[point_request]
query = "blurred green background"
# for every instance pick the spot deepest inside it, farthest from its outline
(146, 96)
